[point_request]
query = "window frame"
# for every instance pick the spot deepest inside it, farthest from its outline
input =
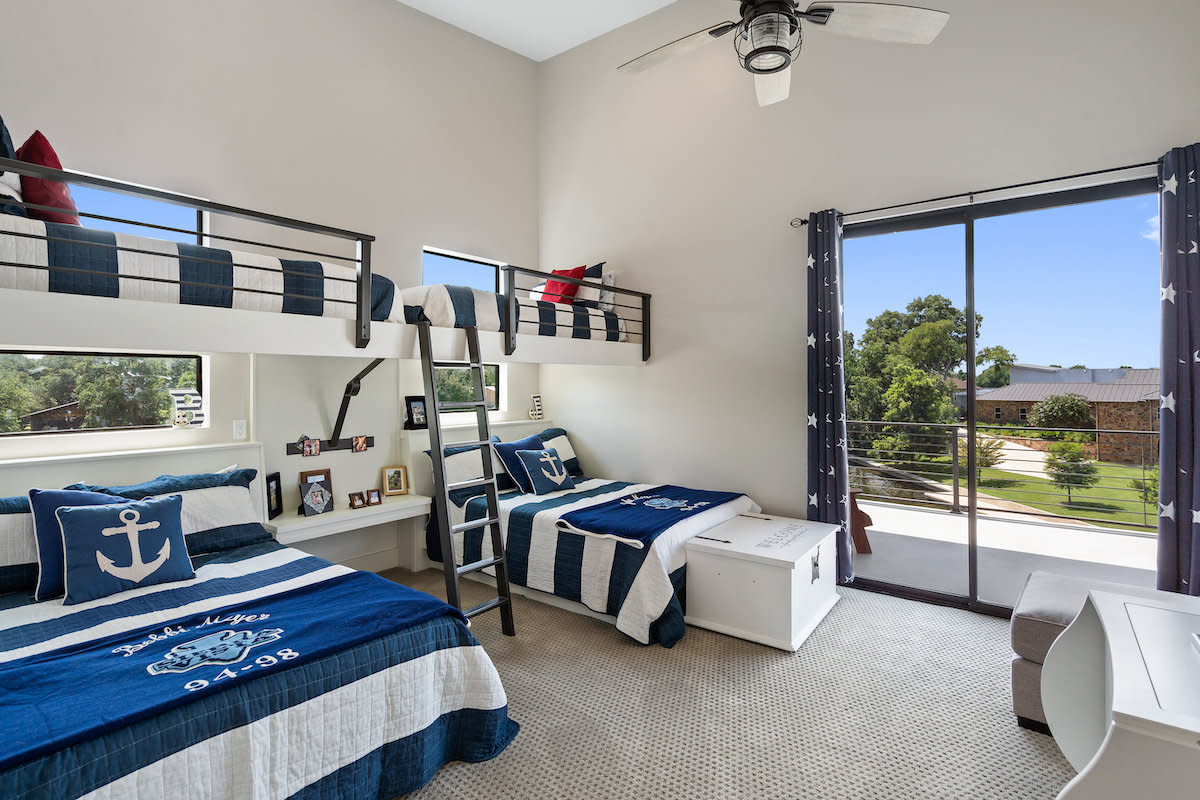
(199, 359)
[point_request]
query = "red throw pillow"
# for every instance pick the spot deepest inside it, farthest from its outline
(561, 291)
(37, 150)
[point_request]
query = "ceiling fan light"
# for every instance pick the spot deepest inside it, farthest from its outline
(768, 41)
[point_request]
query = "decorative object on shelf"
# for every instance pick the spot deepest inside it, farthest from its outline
(314, 476)
(358, 444)
(329, 445)
(414, 406)
(316, 497)
(310, 447)
(358, 500)
(274, 495)
(535, 413)
(395, 480)
(374, 498)
(189, 407)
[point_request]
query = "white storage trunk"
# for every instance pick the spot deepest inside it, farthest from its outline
(763, 578)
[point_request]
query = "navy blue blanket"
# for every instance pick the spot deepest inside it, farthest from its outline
(107, 683)
(641, 517)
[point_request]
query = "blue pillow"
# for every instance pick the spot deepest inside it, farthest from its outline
(545, 471)
(121, 546)
(7, 151)
(218, 510)
(508, 456)
(48, 535)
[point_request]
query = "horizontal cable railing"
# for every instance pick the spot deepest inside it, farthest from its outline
(1094, 477)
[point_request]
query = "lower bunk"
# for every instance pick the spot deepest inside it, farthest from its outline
(270, 674)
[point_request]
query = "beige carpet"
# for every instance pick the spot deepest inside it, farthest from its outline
(887, 699)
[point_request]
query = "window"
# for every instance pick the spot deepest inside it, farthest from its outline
(143, 209)
(456, 385)
(458, 270)
(1022, 414)
(49, 392)
(998, 415)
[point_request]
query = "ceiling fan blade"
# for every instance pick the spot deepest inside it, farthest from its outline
(677, 47)
(882, 22)
(774, 87)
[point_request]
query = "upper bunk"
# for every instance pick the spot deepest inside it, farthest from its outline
(66, 286)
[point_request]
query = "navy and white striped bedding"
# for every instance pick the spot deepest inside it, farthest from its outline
(77, 260)
(373, 720)
(638, 586)
(446, 306)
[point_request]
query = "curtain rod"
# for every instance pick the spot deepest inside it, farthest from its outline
(969, 197)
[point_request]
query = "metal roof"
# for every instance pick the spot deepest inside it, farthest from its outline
(1094, 392)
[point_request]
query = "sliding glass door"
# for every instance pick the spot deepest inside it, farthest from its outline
(1003, 402)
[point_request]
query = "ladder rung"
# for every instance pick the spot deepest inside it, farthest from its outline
(478, 565)
(482, 607)
(469, 484)
(460, 405)
(478, 523)
(459, 364)
(478, 443)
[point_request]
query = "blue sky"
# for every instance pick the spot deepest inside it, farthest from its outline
(115, 204)
(456, 272)
(1070, 285)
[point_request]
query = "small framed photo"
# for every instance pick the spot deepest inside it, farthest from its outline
(358, 444)
(395, 480)
(316, 497)
(373, 497)
(417, 420)
(310, 447)
(358, 500)
(274, 496)
(314, 475)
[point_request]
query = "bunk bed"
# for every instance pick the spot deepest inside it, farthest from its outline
(269, 673)
(55, 258)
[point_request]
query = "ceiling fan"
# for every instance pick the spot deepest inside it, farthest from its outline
(768, 36)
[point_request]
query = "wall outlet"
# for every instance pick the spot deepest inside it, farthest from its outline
(239, 430)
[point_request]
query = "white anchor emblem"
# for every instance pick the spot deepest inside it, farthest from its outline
(556, 473)
(138, 570)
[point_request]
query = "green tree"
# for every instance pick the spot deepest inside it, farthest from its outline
(1001, 360)
(1147, 487)
(916, 396)
(1077, 366)
(1062, 411)
(988, 452)
(931, 347)
(117, 392)
(1069, 469)
(16, 400)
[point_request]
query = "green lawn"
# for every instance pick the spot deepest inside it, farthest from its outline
(1111, 502)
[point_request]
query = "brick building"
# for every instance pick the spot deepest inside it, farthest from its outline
(1121, 400)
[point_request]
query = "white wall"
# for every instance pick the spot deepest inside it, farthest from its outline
(361, 114)
(686, 187)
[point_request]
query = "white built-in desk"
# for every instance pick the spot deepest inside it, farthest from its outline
(1121, 691)
(291, 527)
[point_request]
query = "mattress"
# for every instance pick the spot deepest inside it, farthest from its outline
(307, 694)
(641, 587)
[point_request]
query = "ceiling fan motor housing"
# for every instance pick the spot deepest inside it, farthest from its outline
(769, 35)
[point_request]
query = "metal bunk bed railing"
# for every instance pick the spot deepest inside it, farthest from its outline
(204, 235)
(517, 282)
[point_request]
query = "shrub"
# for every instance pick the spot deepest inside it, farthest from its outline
(1062, 411)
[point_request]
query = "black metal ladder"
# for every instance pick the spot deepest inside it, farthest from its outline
(442, 489)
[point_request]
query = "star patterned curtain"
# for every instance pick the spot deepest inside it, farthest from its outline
(1179, 484)
(828, 468)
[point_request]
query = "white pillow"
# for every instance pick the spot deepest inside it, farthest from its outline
(10, 184)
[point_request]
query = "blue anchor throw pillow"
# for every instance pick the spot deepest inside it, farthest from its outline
(545, 470)
(122, 546)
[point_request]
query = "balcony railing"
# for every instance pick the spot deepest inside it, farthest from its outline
(1108, 478)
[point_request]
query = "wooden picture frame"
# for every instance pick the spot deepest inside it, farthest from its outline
(313, 475)
(358, 500)
(374, 498)
(395, 480)
(274, 488)
(416, 415)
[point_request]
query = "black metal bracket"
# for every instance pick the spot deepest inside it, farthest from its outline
(335, 442)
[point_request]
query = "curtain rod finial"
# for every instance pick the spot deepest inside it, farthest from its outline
(798, 222)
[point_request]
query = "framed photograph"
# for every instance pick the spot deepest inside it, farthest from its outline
(358, 500)
(358, 444)
(310, 447)
(373, 497)
(316, 497)
(395, 480)
(314, 475)
(274, 496)
(417, 420)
